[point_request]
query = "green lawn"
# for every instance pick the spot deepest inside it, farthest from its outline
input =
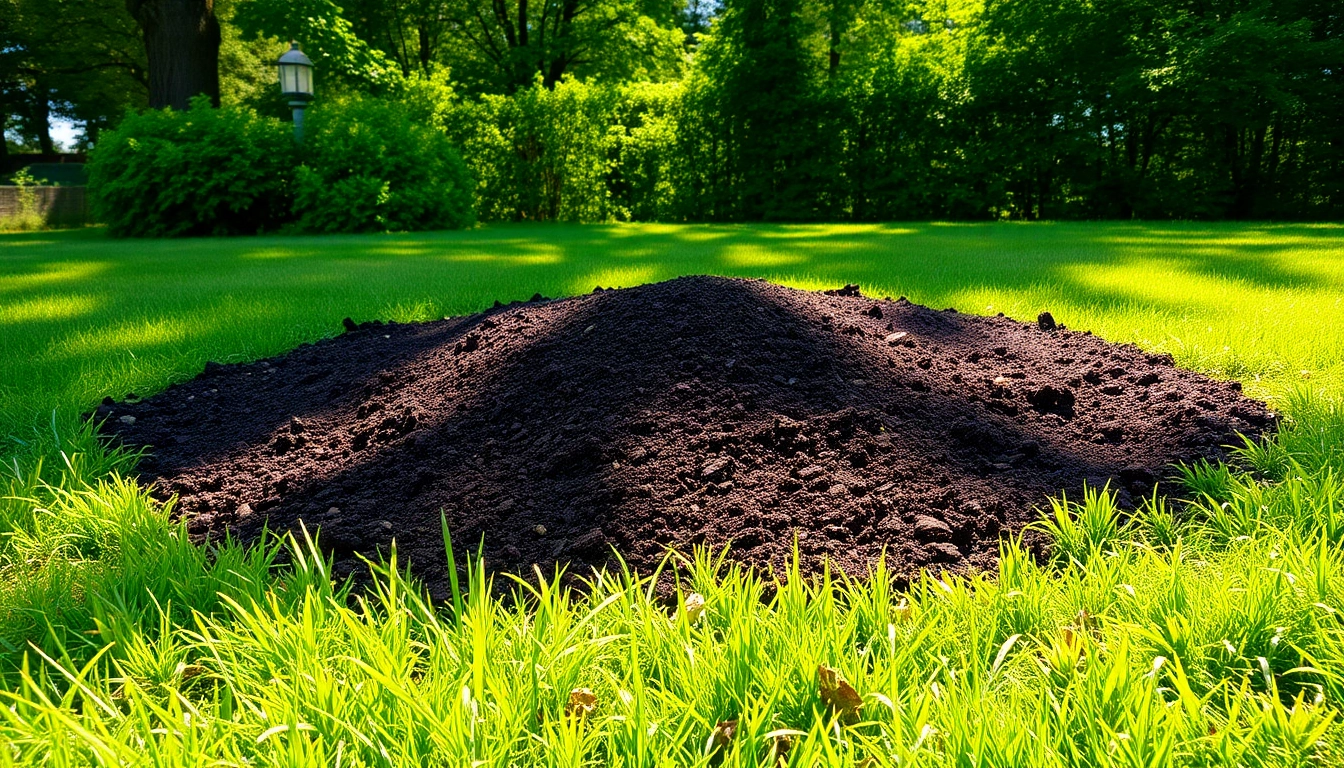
(1201, 631)
(83, 317)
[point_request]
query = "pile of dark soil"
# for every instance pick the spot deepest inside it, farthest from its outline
(697, 411)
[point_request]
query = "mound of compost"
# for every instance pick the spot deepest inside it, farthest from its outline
(697, 411)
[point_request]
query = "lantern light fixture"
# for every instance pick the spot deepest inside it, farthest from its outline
(296, 83)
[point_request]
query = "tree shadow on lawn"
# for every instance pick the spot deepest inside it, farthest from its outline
(298, 288)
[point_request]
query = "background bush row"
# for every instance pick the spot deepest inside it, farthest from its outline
(365, 165)
(1030, 109)
(742, 110)
(792, 110)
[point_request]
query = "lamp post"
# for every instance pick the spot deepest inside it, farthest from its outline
(296, 82)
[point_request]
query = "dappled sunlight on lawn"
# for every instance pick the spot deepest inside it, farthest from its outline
(280, 251)
(1156, 281)
(132, 336)
(616, 277)
(541, 256)
(701, 235)
(48, 274)
(1259, 301)
(48, 308)
(1265, 261)
(756, 256)
(26, 243)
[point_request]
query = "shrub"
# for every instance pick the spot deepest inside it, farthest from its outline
(27, 217)
(577, 152)
(542, 154)
(205, 171)
(645, 181)
(369, 166)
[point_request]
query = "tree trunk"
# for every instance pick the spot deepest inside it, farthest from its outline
(426, 50)
(182, 44)
(42, 120)
(833, 59)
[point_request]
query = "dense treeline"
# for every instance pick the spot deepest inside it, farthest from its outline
(798, 110)
(851, 109)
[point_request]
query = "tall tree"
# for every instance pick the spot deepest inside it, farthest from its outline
(182, 46)
(411, 32)
(764, 66)
(495, 46)
(342, 57)
(81, 60)
(505, 45)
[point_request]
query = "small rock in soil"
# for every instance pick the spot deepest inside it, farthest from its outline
(944, 552)
(929, 528)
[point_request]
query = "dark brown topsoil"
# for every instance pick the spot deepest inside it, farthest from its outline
(696, 411)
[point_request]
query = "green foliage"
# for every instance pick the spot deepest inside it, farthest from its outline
(26, 218)
(646, 178)
(764, 100)
(201, 172)
(370, 165)
(1082, 532)
(327, 36)
(827, 110)
(497, 48)
(366, 165)
(541, 154)
(81, 60)
(1313, 436)
(247, 73)
(845, 110)
(1222, 662)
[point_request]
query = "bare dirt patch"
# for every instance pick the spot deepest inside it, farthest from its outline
(697, 411)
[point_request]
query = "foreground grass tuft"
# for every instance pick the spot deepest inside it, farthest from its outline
(1139, 643)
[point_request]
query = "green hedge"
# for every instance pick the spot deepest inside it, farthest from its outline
(204, 171)
(366, 165)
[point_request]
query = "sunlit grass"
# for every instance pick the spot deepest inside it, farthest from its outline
(1209, 651)
(1258, 302)
(1200, 631)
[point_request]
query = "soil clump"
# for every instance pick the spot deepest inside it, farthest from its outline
(692, 412)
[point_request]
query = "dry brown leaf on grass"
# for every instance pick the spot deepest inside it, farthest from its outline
(780, 742)
(721, 737)
(1070, 638)
(190, 671)
(904, 611)
(582, 702)
(838, 694)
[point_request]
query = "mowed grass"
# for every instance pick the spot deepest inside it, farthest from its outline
(82, 317)
(1201, 630)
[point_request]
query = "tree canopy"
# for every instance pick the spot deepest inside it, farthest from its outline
(83, 60)
(789, 109)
